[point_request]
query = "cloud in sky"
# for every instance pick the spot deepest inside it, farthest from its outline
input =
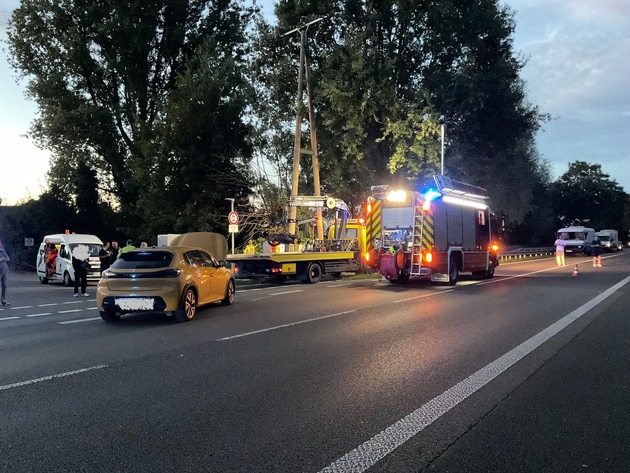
(577, 71)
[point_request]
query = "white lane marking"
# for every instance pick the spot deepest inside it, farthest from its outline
(423, 295)
(78, 321)
(69, 311)
(378, 447)
(72, 302)
(53, 376)
(277, 294)
(247, 334)
(47, 305)
(340, 284)
(22, 307)
(8, 318)
(38, 315)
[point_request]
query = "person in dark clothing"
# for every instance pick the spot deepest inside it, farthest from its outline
(4, 271)
(596, 252)
(105, 255)
(114, 249)
(80, 264)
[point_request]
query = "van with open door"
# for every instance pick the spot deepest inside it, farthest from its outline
(54, 258)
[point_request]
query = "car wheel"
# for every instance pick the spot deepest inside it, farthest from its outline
(314, 273)
(67, 280)
(453, 273)
(109, 316)
(229, 293)
(43, 280)
(189, 306)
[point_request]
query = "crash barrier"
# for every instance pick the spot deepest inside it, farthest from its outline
(526, 253)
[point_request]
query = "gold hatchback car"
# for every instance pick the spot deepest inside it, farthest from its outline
(171, 280)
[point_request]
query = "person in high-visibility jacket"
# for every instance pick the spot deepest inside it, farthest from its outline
(250, 249)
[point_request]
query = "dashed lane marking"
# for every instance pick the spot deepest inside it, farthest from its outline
(53, 376)
(240, 335)
(38, 315)
(76, 321)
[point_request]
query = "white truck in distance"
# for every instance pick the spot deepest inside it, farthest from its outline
(609, 240)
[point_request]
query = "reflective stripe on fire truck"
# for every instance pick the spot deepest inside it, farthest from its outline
(373, 224)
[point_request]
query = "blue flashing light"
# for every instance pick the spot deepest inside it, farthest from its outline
(431, 195)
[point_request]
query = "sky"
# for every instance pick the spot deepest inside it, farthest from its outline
(577, 71)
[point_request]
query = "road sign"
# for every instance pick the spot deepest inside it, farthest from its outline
(29, 241)
(233, 218)
(232, 228)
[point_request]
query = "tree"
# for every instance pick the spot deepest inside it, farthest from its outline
(383, 73)
(108, 79)
(584, 195)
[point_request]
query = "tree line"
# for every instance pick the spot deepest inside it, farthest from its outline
(156, 111)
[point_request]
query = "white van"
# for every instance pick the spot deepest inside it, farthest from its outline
(577, 239)
(59, 267)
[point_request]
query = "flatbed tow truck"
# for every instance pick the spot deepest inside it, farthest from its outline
(317, 258)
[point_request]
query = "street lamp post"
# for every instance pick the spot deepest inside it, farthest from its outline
(441, 122)
(232, 209)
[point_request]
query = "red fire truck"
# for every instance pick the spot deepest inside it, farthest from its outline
(435, 235)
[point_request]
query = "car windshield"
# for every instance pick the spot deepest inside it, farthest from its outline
(604, 238)
(143, 260)
(574, 235)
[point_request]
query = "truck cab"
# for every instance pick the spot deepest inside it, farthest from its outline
(577, 239)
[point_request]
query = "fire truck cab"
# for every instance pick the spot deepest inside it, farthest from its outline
(435, 235)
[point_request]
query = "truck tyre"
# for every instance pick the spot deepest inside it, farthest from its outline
(109, 316)
(67, 280)
(189, 306)
(401, 279)
(314, 273)
(453, 273)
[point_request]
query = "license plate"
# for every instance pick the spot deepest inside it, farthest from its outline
(135, 303)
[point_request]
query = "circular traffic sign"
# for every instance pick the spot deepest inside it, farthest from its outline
(233, 218)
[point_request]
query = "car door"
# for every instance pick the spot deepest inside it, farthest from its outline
(217, 281)
(201, 275)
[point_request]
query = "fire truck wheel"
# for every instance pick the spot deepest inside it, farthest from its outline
(314, 273)
(401, 279)
(453, 273)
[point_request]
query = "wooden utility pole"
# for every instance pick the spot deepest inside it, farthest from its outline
(297, 145)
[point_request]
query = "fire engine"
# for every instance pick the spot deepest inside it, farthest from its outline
(434, 235)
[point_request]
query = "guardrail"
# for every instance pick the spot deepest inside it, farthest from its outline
(526, 253)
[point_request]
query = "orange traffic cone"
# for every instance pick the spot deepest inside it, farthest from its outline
(575, 271)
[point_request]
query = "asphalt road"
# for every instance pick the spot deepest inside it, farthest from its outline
(524, 372)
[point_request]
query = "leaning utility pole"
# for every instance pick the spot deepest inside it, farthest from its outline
(297, 146)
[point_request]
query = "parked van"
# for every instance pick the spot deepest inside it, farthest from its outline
(54, 261)
(577, 239)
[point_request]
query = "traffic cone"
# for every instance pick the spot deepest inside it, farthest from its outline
(575, 271)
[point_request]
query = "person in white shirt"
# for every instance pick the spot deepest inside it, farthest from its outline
(559, 244)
